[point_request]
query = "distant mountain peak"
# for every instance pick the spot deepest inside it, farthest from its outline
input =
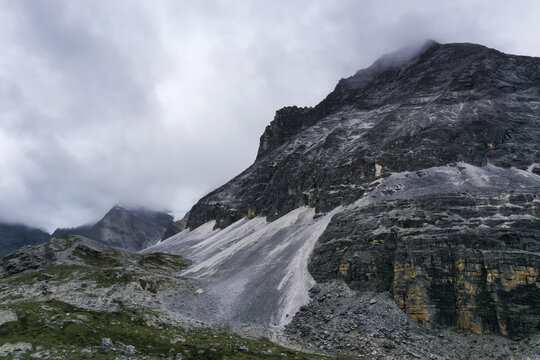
(15, 236)
(128, 227)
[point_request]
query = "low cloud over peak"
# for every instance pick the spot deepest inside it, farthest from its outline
(156, 103)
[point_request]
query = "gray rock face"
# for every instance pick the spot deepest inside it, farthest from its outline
(13, 237)
(132, 229)
(456, 246)
(345, 321)
(435, 156)
(446, 104)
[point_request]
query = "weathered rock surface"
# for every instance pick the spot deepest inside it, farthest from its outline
(13, 237)
(435, 156)
(7, 316)
(467, 258)
(14, 350)
(345, 321)
(446, 104)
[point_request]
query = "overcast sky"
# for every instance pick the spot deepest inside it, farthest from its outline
(156, 103)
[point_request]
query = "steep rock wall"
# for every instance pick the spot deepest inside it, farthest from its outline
(435, 157)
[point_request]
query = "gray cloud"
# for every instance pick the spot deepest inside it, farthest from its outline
(157, 102)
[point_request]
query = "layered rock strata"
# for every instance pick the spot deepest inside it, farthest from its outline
(434, 155)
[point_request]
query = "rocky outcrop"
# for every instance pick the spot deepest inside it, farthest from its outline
(287, 122)
(13, 237)
(465, 259)
(354, 322)
(81, 251)
(434, 155)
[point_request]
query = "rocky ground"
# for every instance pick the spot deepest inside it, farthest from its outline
(73, 298)
(370, 325)
(81, 299)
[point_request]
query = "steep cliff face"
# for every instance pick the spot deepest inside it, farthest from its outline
(455, 245)
(448, 103)
(434, 155)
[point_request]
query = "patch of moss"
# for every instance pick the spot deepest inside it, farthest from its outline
(28, 277)
(65, 242)
(151, 285)
(59, 327)
(64, 272)
(108, 277)
(161, 261)
(95, 257)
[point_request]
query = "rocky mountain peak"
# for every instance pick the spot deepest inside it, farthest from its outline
(393, 61)
(129, 228)
(455, 72)
(122, 212)
(291, 119)
(403, 205)
(445, 104)
(428, 165)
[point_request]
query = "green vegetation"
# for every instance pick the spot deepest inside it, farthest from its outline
(159, 261)
(107, 277)
(58, 330)
(29, 277)
(102, 277)
(65, 242)
(96, 258)
(66, 331)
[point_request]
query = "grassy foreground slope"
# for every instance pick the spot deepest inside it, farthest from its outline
(72, 298)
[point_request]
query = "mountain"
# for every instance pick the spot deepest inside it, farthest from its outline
(75, 298)
(126, 228)
(13, 237)
(447, 104)
(133, 229)
(421, 174)
(397, 219)
(82, 230)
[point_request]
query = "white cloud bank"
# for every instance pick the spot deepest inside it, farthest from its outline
(157, 102)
